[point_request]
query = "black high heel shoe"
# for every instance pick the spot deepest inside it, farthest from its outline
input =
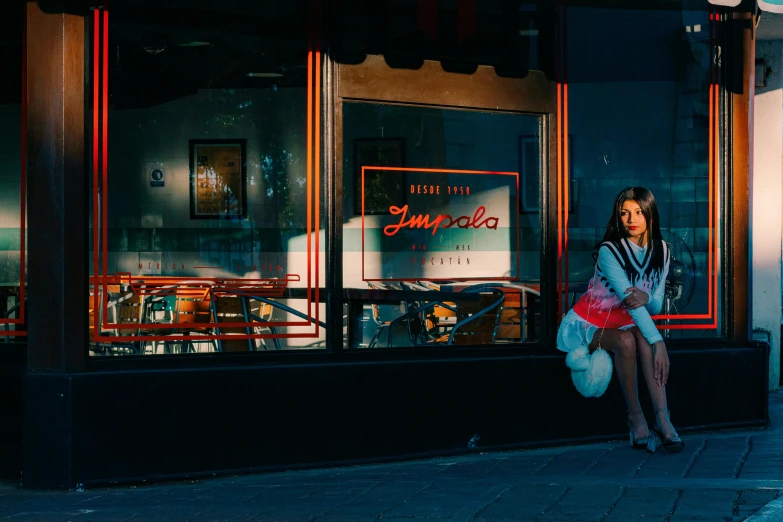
(672, 444)
(637, 443)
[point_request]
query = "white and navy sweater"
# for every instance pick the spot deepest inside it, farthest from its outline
(620, 266)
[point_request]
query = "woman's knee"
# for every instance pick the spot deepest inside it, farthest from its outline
(640, 340)
(626, 344)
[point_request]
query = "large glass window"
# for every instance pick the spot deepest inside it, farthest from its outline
(442, 225)
(207, 207)
(441, 236)
(12, 181)
(645, 114)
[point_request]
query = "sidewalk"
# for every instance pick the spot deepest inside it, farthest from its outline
(721, 476)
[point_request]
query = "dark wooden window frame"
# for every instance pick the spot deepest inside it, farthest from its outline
(373, 80)
(56, 147)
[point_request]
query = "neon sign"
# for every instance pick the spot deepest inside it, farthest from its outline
(423, 221)
(441, 224)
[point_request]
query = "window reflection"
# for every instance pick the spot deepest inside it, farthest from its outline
(209, 209)
(640, 116)
(12, 190)
(437, 247)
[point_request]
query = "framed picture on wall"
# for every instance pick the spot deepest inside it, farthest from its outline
(380, 190)
(218, 179)
(530, 173)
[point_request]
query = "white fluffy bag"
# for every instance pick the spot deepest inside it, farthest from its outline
(591, 373)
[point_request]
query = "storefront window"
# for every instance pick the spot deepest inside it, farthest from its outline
(207, 208)
(645, 114)
(442, 226)
(441, 234)
(12, 183)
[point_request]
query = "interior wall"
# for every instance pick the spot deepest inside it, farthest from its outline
(152, 224)
(150, 228)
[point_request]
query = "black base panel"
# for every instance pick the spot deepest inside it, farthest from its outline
(106, 427)
(13, 360)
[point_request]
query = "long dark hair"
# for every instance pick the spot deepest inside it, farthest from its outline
(616, 232)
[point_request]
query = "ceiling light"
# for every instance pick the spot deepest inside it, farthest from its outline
(195, 43)
(264, 75)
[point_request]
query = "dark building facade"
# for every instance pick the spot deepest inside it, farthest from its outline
(246, 236)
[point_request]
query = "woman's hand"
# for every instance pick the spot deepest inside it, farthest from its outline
(637, 298)
(660, 363)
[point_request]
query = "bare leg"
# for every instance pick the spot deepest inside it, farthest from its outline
(623, 345)
(657, 393)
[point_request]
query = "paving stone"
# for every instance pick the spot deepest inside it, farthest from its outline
(408, 519)
(471, 469)
(759, 474)
(287, 493)
(447, 500)
(521, 503)
(591, 496)
(574, 514)
(623, 461)
(707, 504)
(763, 472)
(152, 515)
(516, 466)
(571, 463)
(379, 500)
(342, 491)
(645, 502)
(770, 439)
(634, 517)
(583, 504)
(226, 514)
(280, 517)
(720, 458)
(757, 498)
(39, 517)
(345, 518)
(670, 465)
(699, 518)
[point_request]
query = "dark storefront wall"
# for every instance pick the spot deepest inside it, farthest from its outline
(287, 416)
(93, 420)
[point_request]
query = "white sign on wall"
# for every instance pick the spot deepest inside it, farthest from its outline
(157, 177)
